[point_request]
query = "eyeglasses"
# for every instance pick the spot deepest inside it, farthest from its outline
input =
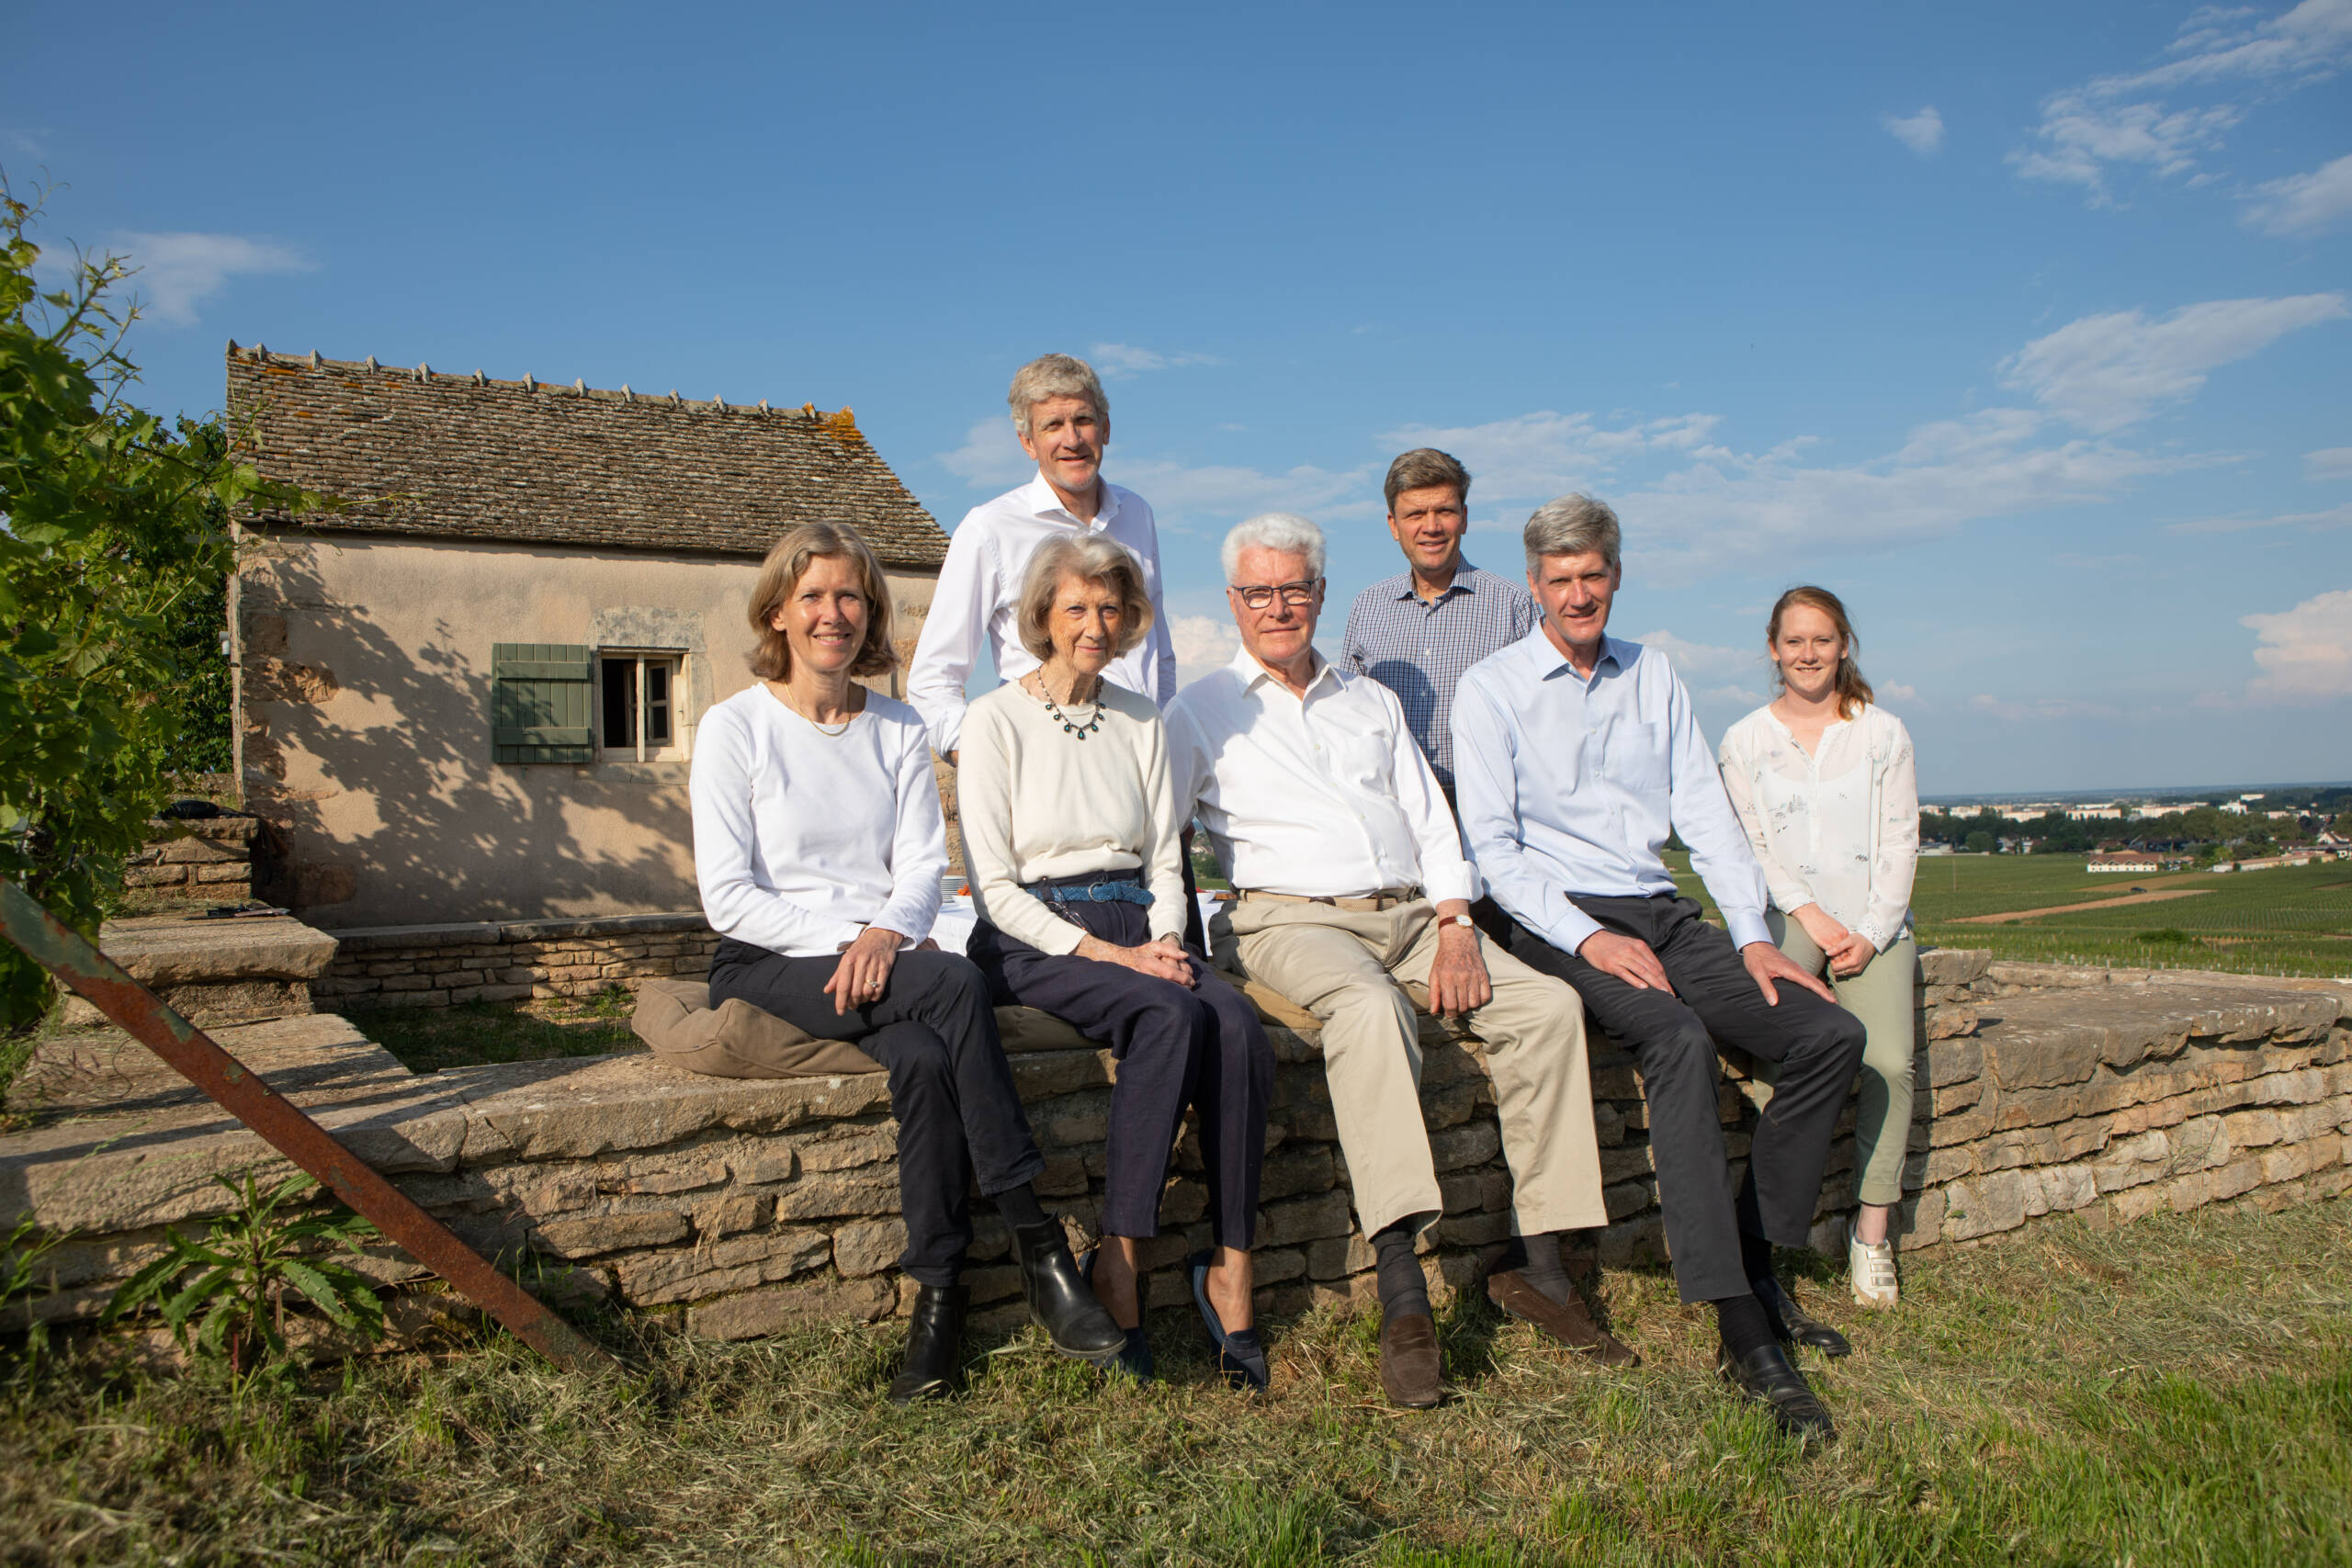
(1294, 593)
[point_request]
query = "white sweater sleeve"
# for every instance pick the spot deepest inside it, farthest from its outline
(984, 811)
(725, 835)
(1895, 863)
(1738, 758)
(1164, 860)
(919, 848)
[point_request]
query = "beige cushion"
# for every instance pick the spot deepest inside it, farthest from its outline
(736, 1039)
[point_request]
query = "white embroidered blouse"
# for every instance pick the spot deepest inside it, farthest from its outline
(1838, 827)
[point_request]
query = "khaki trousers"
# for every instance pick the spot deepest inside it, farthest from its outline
(1346, 967)
(1885, 997)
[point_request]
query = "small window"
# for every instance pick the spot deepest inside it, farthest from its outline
(638, 704)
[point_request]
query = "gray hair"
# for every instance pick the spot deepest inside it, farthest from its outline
(1286, 531)
(1572, 525)
(1056, 375)
(1090, 558)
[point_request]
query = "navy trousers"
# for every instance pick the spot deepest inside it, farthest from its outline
(1673, 1036)
(1176, 1046)
(950, 1088)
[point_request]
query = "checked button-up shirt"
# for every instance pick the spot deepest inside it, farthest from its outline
(1419, 648)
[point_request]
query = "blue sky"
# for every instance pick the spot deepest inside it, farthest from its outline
(2026, 328)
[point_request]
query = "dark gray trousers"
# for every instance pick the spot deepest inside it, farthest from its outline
(1818, 1045)
(1201, 1046)
(950, 1088)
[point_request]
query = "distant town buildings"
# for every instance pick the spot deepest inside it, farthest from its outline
(2129, 860)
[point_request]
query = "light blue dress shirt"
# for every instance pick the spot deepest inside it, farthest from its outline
(1569, 786)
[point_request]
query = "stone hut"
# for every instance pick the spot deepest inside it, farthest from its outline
(472, 695)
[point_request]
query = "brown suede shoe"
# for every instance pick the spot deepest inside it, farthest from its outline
(1569, 1322)
(1409, 1369)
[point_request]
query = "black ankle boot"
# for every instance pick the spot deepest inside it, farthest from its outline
(1077, 1323)
(934, 1345)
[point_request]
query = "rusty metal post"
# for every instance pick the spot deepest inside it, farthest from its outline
(199, 1059)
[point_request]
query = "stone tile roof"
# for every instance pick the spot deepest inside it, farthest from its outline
(466, 457)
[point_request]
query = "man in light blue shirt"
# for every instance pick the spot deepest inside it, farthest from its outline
(1574, 755)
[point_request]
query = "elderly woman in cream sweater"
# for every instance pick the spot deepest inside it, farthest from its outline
(1824, 782)
(1070, 835)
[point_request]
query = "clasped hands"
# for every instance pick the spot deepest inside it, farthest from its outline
(1162, 959)
(1848, 952)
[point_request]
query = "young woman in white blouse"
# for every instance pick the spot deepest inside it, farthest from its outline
(1827, 786)
(1070, 833)
(820, 848)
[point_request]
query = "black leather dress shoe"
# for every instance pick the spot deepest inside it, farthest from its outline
(1764, 1375)
(934, 1345)
(1791, 1327)
(1064, 1307)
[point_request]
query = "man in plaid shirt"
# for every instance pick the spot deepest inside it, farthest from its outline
(1417, 632)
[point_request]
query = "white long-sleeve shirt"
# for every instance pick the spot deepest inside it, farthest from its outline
(1839, 828)
(1321, 797)
(1036, 801)
(804, 837)
(978, 601)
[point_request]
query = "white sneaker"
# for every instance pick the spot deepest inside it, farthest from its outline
(1871, 1268)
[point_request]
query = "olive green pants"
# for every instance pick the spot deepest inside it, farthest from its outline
(1885, 997)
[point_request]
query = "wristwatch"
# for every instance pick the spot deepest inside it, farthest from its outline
(1457, 920)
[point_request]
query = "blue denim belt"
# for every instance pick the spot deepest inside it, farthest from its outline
(1100, 892)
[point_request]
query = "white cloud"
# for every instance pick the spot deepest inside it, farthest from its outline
(1534, 457)
(178, 272)
(2105, 372)
(1203, 644)
(2334, 517)
(2304, 204)
(1693, 659)
(990, 457)
(1898, 691)
(2329, 463)
(1724, 510)
(1179, 492)
(2124, 119)
(1117, 359)
(2306, 653)
(2040, 708)
(1922, 132)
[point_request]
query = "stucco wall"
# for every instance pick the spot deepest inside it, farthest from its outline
(363, 672)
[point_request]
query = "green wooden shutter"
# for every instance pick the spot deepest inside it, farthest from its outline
(541, 696)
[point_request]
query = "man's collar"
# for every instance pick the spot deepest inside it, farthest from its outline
(1042, 501)
(1245, 665)
(1550, 660)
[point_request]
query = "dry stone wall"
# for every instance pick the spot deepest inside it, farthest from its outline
(208, 859)
(496, 961)
(736, 1208)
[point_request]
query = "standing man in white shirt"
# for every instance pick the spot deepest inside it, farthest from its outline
(1326, 816)
(1577, 755)
(1064, 423)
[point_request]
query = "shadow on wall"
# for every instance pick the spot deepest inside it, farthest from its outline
(373, 760)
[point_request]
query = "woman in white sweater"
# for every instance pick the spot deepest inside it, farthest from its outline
(1826, 784)
(819, 847)
(1070, 833)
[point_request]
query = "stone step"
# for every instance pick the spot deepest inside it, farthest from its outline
(216, 971)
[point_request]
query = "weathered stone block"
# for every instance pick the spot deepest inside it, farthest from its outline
(1984, 1205)
(593, 1236)
(818, 1197)
(1303, 1219)
(755, 1313)
(868, 1246)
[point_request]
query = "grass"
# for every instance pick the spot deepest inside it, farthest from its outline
(425, 1040)
(2177, 1391)
(2291, 920)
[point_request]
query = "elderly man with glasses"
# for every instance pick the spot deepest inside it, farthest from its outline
(1324, 814)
